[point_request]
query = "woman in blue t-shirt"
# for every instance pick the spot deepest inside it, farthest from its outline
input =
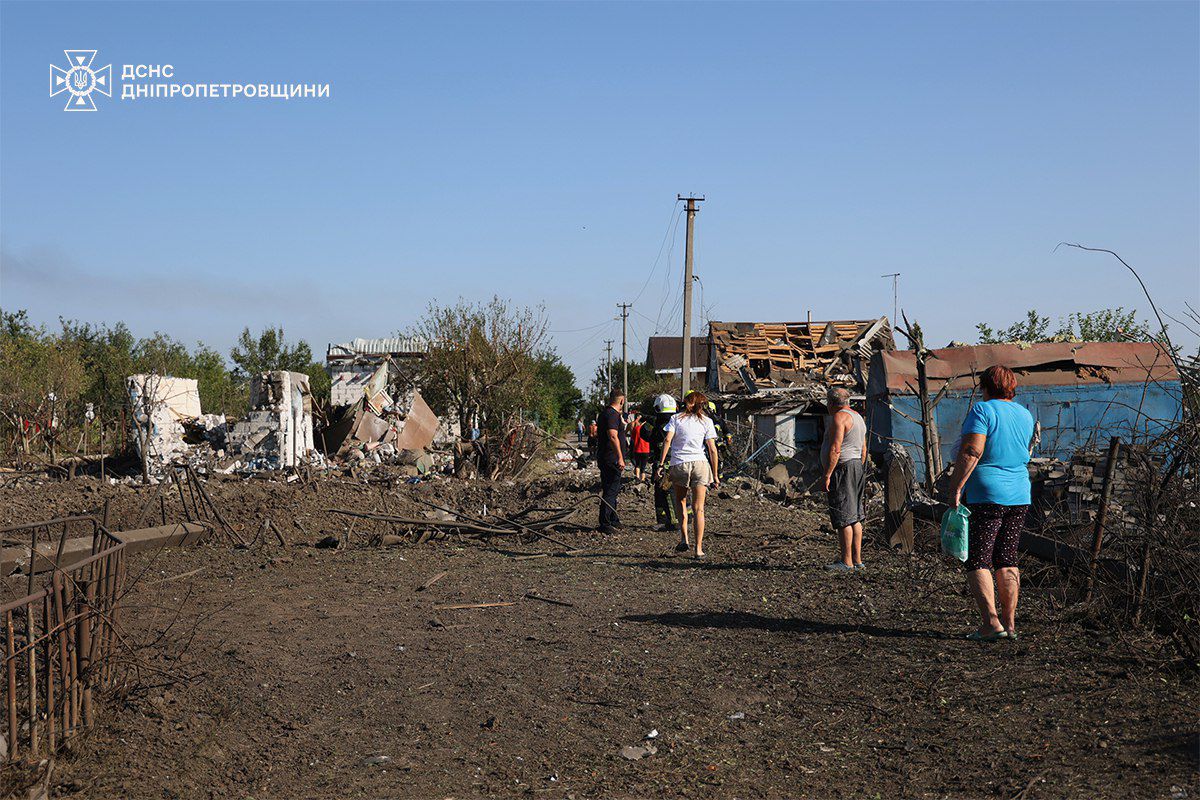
(991, 472)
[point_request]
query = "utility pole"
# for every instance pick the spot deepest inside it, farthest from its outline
(624, 357)
(608, 362)
(895, 276)
(686, 382)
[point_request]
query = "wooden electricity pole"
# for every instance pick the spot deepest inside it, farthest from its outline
(686, 383)
(624, 356)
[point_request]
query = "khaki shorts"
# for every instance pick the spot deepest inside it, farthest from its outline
(691, 474)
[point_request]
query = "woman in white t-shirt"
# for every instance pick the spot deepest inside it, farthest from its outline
(691, 443)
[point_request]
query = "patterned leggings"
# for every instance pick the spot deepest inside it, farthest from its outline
(994, 532)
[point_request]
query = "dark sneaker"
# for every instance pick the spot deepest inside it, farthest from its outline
(682, 547)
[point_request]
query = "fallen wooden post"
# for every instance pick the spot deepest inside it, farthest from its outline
(431, 581)
(1110, 469)
(551, 601)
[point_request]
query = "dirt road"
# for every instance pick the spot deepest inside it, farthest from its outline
(323, 673)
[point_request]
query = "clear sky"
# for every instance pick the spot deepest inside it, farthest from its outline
(536, 150)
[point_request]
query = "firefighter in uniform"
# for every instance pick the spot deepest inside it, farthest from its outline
(664, 505)
(724, 436)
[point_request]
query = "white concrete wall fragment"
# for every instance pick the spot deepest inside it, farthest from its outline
(279, 426)
(160, 404)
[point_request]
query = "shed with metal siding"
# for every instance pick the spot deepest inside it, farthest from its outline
(1082, 393)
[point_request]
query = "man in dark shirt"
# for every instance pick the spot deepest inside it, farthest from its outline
(611, 447)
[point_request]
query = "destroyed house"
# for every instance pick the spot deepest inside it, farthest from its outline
(664, 355)
(352, 364)
(277, 432)
(1080, 393)
(771, 379)
(745, 357)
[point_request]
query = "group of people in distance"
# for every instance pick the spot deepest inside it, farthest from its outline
(676, 450)
(990, 476)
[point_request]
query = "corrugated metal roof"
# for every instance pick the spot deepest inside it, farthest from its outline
(398, 345)
(1043, 364)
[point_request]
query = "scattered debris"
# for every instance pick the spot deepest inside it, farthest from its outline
(633, 752)
(534, 596)
(425, 586)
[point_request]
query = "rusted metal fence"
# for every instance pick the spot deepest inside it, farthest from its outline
(59, 639)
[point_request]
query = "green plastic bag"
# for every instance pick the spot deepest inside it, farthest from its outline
(954, 532)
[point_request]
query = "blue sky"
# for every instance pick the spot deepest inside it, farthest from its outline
(535, 151)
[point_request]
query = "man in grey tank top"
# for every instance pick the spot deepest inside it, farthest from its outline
(844, 457)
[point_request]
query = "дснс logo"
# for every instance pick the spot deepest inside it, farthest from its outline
(80, 80)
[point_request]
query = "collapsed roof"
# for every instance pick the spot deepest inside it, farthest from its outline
(753, 356)
(1042, 364)
(396, 346)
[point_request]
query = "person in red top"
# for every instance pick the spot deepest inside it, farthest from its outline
(641, 448)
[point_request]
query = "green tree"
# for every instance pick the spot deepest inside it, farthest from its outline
(162, 355)
(107, 353)
(318, 383)
(1106, 325)
(41, 380)
(1034, 328)
(481, 360)
(556, 399)
(269, 351)
(644, 386)
(219, 392)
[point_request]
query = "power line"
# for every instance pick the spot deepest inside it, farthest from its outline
(670, 231)
(643, 316)
(577, 330)
(578, 348)
(666, 289)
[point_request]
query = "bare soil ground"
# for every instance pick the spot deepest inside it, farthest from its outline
(287, 671)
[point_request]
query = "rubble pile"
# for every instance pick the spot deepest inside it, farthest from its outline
(277, 433)
(379, 417)
(1071, 490)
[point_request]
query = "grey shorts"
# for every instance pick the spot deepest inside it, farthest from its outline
(846, 487)
(691, 474)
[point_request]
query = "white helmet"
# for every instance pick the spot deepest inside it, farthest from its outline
(664, 404)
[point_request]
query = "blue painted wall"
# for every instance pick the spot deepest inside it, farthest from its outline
(1072, 417)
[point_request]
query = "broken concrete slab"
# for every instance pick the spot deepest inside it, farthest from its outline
(277, 433)
(16, 559)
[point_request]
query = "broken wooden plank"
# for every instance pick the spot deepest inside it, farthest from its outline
(551, 601)
(431, 581)
(457, 606)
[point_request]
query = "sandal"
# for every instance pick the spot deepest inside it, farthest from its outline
(976, 636)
